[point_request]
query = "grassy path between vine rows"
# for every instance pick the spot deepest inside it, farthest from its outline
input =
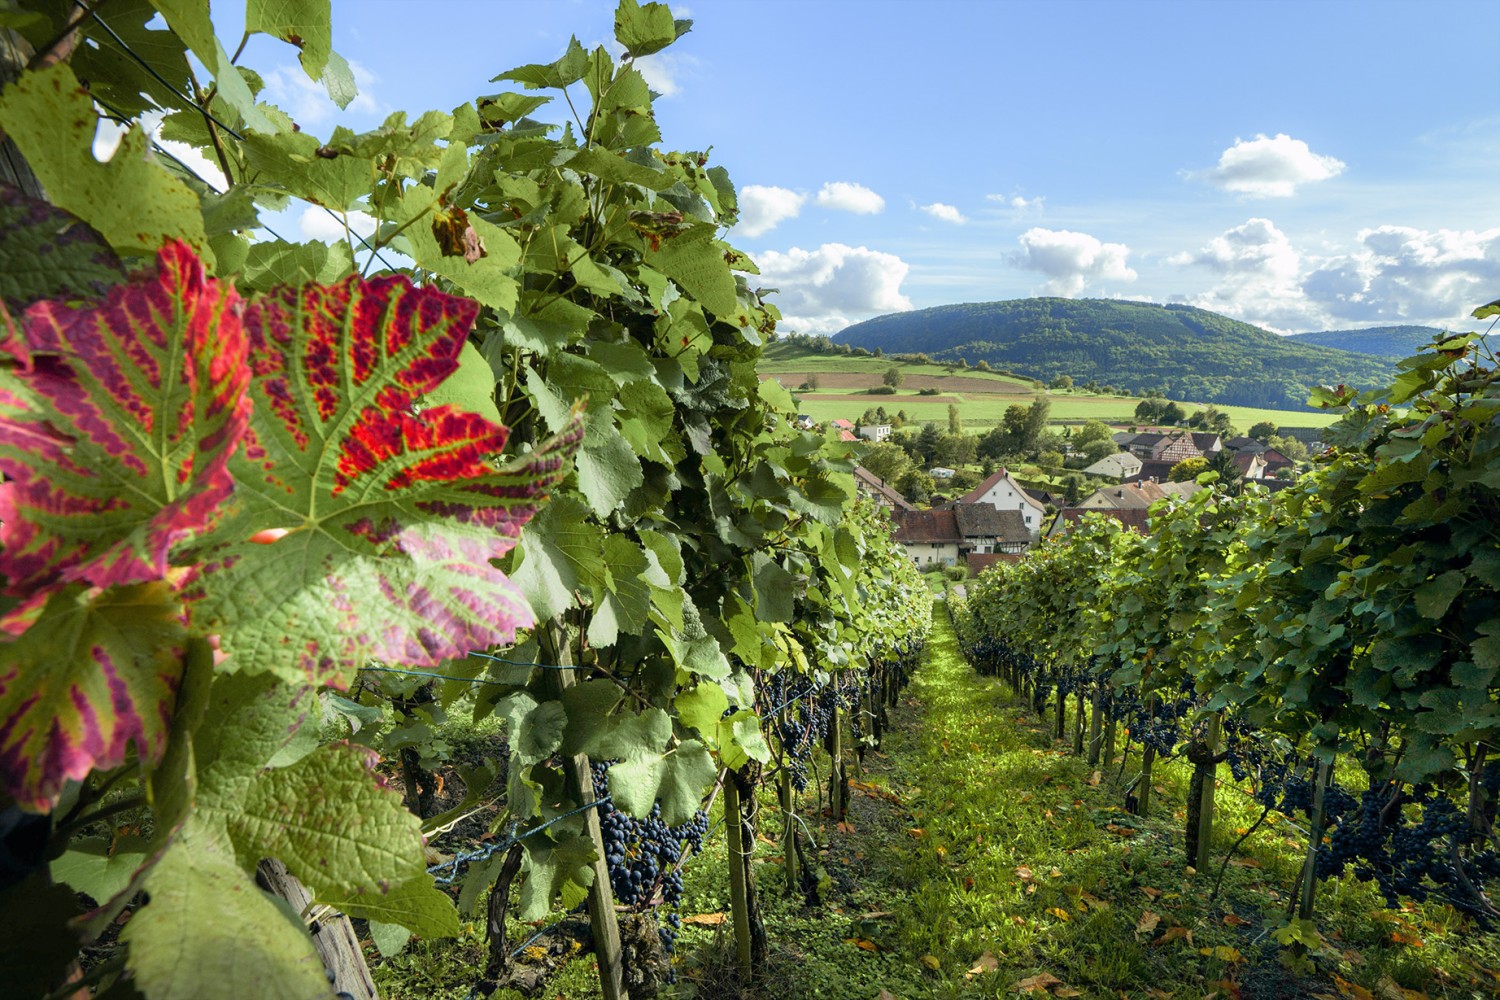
(980, 859)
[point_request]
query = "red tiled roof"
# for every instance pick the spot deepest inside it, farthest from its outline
(843, 425)
(935, 527)
(878, 485)
(981, 561)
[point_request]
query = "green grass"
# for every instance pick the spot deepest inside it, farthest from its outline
(979, 410)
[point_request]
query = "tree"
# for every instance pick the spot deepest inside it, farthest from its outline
(927, 443)
(1149, 410)
(1014, 424)
(1172, 414)
(1050, 459)
(1061, 382)
(811, 382)
(955, 424)
(1072, 489)
(956, 449)
(916, 486)
(1263, 431)
(894, 377)
(887, 461)
(1188, 469)
(1289, 446)
(1092, 432)
(1094, 451)
(981, 365)
(1036, 422)
(993, 444)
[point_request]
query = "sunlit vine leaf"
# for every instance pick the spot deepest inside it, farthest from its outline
(45, 252)
(116, 427)
(395, 509)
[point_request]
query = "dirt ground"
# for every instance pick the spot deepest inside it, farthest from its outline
(944, 383)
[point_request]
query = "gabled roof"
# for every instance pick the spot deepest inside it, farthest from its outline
(1206, 441)
(978, 492)
(935, 527)
(842, 424)
(877, 485)
(846, 435)
(1243, 443)
(984, 520)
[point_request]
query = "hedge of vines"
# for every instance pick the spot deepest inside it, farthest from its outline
(507, 453)
(1336, 643)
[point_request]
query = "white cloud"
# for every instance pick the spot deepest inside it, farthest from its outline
(1257, 272)
(1270, 167)
(316, 223)
(1071, 260)
(661, 70)
(824, 290)
(763, 208)
(289, 88)
(849, 197)
(1397, 274)
(947, 213)
(1019, 205)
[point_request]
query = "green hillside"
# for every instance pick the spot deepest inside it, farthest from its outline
(1386, 341)
(1181, 351)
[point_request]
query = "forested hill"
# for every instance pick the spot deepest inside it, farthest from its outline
(1388, 341)
(1184, 352)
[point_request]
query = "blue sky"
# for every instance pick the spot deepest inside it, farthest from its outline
(1301, 165)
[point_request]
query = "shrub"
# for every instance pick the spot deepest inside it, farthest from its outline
(882, 390)
(929, 391)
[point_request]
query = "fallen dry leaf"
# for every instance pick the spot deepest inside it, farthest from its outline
(1245, 863)
(1231, 920)
(931, 961)
(1353, 991)
(1152, 893)
(1147, 923)
(863, 944)
(704, 919)
(887, 995)
(1059, 912)
(1041, 982)
(1223, 953)
(1024, 872)
(1067, 991)
(1175, 934)
(986, 963)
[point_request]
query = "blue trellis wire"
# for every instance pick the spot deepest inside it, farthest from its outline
(490, 850)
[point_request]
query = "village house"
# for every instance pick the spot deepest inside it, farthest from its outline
(1173, 446)
(1135, 518)
(802, 422)
(1004, 493)
(867, 484)
(986, 529)
(931, 537)
(1135, 496)
(877, 433)
(1121, 465)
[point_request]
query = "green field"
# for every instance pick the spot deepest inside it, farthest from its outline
(844, 383)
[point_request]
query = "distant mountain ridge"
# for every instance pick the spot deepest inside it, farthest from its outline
(1385, 341)
(1182, 351)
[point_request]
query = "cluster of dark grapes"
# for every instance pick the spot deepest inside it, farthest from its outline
(1159, 728)
(644, 855)
(800, 713)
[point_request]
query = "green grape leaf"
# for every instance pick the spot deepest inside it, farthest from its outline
(418, 906)
(100, 867)
(1433, 597)
(46, 253)
(303, 23)
(648, 29)
(701, 708)
(561, 552)
(133, 203)
(679, 779)
(741, 741)
(329, 818)
(116, 428)
(207, 924)
(695, 260)
(550, 864)
(395, 511)
(94, 674)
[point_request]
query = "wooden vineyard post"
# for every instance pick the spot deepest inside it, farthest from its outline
(788, 797)
(1200, 822)
(332, 934)
(1096, 725)
(739, 895)
(1062, 714)
(1309, 885)
(838, 780)
(1079, 715)
(580, 785)
(1148, 758)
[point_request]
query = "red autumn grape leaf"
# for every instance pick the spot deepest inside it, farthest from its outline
(395, 510)
(96, 672)
(117, 420)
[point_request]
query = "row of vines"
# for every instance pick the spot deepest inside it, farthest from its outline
(502, 452)
(1336, 644)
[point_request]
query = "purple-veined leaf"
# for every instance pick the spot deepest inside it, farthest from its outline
(394, 512)
(117, 421)
(96, 672)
